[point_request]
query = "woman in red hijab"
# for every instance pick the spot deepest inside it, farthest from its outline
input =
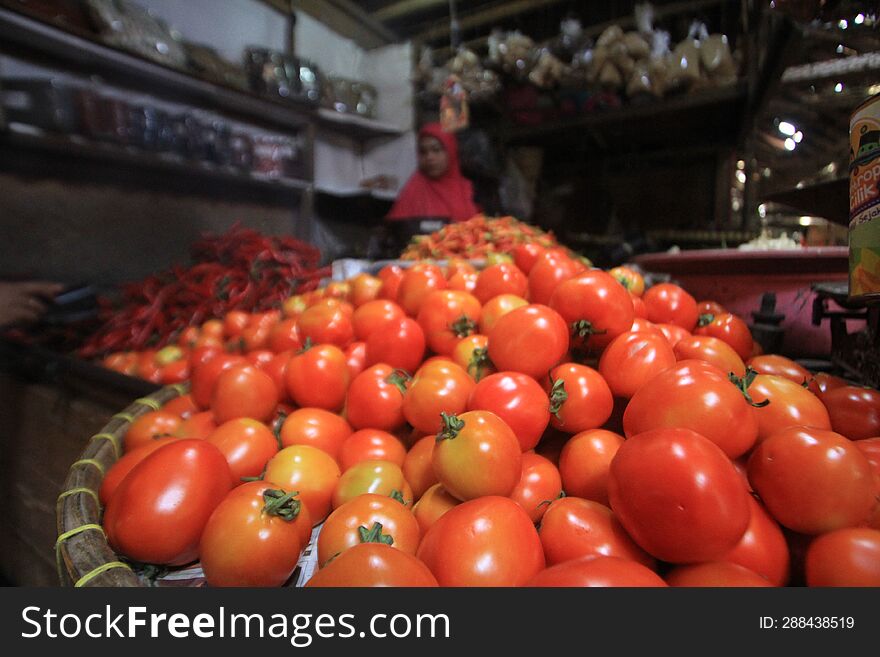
(437, 189)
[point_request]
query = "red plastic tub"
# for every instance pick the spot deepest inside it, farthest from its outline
(737, 280)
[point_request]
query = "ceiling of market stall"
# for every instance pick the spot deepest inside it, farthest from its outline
(823, 68)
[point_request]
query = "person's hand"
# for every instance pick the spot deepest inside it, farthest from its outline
(24, 302)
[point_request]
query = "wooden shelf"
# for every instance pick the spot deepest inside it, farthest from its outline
(357, 127)
(36, 153)
(358, 192)
(43, 43)
(710, 115)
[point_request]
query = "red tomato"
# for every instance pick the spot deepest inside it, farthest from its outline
(276, 369)
(123, 466)
(596, 307)
(247, 445)
(539, 485)
(431, 505)
(595, 571)
(822, 382)
(632, 359)
(373, 476)
(525, 255)
(489, 541)
(390, 275)
(364, 288)
(158, 512)
(673, 333)
(446, 316)
(550, 269)
(518, 400)
(476, 455)
(234, 322)
(418, 468)
(530, 339)
(678, 495)
(812, 480)
(870, 447)
(667, 303)
(308, 470)
(845, 557)
(465, 281)
(693, 394)
(371, 445)
(711, 350)
(197, 425)
(325, 324)
(318, 377)
(779, 366)
(205, 374)
(629, 278)
(790, 405)
(244, 391)
(585, 461)
(284, 336)
(375, 398)
(472, 355)
(579, 398)
(417, 283)
(573, 527)
(373, 315)
(260, 358)
(438, 387)
(854, 411)
(763, 548)
(315, 427)
(400, 343)
(149, 426)
(177, 371)
(345, 526)
(253, 537)
(730, 328)
(710, 307)
(497, 307)
(356, 358)
(640, 310)
(503, 278)
(373, 564)
(715, 574)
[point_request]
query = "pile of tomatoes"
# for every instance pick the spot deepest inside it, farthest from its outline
(535, 423)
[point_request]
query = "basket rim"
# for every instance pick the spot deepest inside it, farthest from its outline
(83, 555)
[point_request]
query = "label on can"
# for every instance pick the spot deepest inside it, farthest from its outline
(864, 200)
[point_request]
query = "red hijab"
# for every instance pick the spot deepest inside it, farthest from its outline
(449, 196)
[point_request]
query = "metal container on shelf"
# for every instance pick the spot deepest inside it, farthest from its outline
(272, 73)
(44, 103)
(864, 201)
(241, 147)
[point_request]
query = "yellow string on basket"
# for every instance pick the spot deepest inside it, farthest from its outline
(114, 440)
(93, 462)
(63, 537)
(80, 489)
(146, 401)
(85, 579)
(124, 416)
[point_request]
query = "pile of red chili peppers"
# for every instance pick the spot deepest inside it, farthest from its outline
(238, 270)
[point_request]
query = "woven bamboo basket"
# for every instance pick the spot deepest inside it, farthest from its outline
(83, 556)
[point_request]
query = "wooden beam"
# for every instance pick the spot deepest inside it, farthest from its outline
(483, 16)
(281, 6)
(348, 19)
(625, 22)
(405, 8)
